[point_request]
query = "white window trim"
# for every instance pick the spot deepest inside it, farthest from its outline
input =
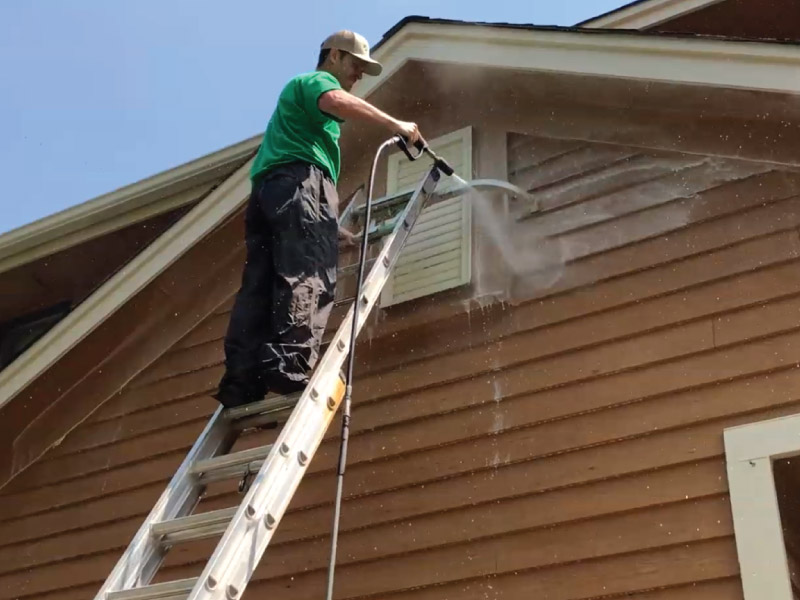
(750, 451)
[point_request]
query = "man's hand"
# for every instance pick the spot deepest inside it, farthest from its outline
(408, 130)
(347, 238)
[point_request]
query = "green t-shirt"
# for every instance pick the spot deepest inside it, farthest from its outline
(299, 130)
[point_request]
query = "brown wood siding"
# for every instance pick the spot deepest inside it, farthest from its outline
(72, 274)
(755, 19)
(78, 382)
(566, 444)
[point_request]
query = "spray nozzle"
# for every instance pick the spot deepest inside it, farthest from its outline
(422, 148)
(442, 164)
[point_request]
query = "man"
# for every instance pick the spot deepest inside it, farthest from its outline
(291, 226)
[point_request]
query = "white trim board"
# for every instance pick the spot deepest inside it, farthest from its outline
(641, 15)
(126, 283)
(757, 66)
(128, 205)
(750, 450)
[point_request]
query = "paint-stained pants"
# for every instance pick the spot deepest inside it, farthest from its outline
(288, 285)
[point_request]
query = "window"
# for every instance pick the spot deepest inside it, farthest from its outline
(437, 254)
(19, 334)
(763, 463)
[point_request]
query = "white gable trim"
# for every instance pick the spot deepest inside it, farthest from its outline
(647, 13)
(126, 283)
(730, 64)
(750, 450)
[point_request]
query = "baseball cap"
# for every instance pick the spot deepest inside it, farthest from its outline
(355, 44)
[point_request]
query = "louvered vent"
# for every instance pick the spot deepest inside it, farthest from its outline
(437, 256)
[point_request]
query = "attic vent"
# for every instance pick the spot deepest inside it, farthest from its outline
(437, 255)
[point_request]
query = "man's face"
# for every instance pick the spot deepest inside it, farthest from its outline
(347, 69)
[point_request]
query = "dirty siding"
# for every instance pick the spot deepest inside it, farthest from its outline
(563, 443)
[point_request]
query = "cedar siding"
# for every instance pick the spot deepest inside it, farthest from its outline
(739, 18)
(564, 442)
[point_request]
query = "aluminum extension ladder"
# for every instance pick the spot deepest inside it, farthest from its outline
(249, 527)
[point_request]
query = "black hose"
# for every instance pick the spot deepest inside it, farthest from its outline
(350, 361)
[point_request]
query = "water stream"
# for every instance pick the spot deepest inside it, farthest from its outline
(539, 260)
(490, 223)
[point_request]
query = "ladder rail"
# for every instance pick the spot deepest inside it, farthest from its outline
(229, 569)
(140, 561)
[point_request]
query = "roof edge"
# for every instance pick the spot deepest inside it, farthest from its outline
(126, 206)
(645, 13)
(712, 61)
(126, 283)
(390, 37)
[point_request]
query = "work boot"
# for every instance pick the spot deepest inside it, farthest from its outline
(233, 393)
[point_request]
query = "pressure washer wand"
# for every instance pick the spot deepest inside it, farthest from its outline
(422, 148)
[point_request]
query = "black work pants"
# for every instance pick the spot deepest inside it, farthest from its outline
(288, 285)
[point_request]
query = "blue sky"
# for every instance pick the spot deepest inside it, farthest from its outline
(98, 94)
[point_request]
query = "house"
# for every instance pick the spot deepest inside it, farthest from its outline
(595, 395)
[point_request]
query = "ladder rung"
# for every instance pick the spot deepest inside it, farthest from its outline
(343, 301)
(170, 590)
(385, 203)
(194, 527)
(231, 465)
(353, 269)
(267, 406)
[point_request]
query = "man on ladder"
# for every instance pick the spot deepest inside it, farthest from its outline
(291, 226)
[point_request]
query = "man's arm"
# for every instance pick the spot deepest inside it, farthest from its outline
(347, 107)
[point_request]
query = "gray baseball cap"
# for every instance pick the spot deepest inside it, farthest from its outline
(355, 44)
